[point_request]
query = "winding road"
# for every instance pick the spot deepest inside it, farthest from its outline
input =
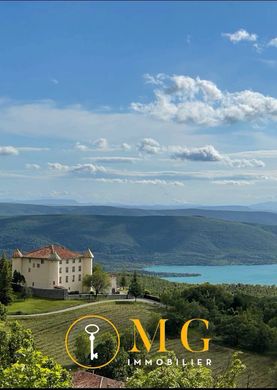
(14, 316)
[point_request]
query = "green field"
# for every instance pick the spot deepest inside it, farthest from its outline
(49, 333)
(39, 305)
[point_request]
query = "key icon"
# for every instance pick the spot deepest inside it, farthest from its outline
(92, 338)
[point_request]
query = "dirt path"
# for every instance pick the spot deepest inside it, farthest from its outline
(14, 316)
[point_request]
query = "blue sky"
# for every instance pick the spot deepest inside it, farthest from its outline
(138, 102)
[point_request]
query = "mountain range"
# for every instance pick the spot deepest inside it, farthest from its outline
(124, 237)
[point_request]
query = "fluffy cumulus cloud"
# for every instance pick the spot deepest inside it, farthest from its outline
(149, 146)
(85, 169)
(244, 163)
(205, 153)
(81, 147)
(8, 150)
(101, 144)
(58, 167)
(13, 150)
(193, 101)
(208, 153)
(273, 42)
(125, 146)
(240, 35)
(32, 166)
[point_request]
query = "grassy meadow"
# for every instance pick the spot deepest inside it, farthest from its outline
(40, 305)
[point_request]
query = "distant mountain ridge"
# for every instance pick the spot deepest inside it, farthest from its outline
(242, 214)
(129, 241)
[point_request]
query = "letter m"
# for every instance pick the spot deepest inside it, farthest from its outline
(138, 329)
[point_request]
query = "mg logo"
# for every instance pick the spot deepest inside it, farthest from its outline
(91, 326)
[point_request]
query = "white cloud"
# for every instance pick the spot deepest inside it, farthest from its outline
(205, 153)
(149, 146)
(116, 160)
(14, 150)
(54, 81)
(144, 181)
(77, 169)
(77, 123)
(87, 169)
(101, 144)
(234, 182)
(8, 150)
(267, 153)
(32, 166)
(241, 35)
(81, 147)
(125, 146)
(58, 167)
(236, 163)
(273, 42)
(268, 62)
(209, 154)
(190, 101)
(31, 149)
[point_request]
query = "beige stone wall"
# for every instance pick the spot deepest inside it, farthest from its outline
(17, 265)
(50, 273)
(37, 272)
(72, 271)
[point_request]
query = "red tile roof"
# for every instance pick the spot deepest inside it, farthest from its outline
(47, 251)
(17, 253)
(85, 379)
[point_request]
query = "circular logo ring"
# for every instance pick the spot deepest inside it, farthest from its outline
(80, 319)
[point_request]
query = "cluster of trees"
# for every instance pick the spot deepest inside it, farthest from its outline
(236, 319)
(189, 378)
(21, 365)
(10, 283)
(167, 376)
(99, 280)
(161, 377)
(106, 348)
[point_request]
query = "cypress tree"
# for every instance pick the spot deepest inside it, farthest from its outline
(5, 281)
(135, 288)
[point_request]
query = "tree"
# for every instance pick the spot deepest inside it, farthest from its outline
(23, 366)
(3, 312)
(32, 369)
(13, 337)
(170, 376)
(5, 281)
(99, 280)
(117, 369)
(18, 280)
(82, 348)
(87, 281)
(135, 288)
(123, 281)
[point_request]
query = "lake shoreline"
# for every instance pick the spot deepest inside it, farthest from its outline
(263, 274)
(171, 274)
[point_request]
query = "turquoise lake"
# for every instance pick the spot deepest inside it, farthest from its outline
(247, 274)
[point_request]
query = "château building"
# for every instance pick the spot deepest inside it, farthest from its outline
(53, 266)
